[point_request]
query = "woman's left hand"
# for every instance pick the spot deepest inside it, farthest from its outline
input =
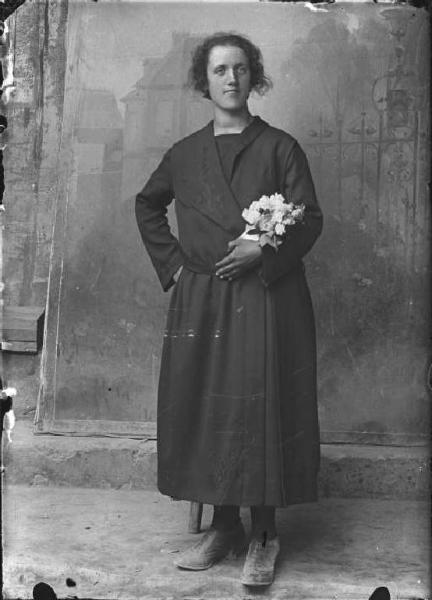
(243, 256)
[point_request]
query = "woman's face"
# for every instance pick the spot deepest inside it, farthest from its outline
(228, 77)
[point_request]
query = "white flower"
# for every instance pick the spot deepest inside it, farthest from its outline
(298, 212)
(264, 203)
(266, 222)
(245, 214)
(251, 216)
(278, 217)
(277, 201)
(279, 229)
(255, 205)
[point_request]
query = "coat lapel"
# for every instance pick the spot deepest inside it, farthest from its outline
(244, 139)
(215, 197)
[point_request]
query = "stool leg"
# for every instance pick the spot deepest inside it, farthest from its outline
(195, 515)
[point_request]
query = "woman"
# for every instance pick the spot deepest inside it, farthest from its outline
(237, 413)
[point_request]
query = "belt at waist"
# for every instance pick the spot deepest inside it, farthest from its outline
(199, 268)
(207, 270)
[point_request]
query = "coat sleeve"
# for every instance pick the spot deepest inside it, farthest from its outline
(151, 214)
(299, 238)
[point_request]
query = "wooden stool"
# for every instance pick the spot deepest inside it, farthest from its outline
(195, 516)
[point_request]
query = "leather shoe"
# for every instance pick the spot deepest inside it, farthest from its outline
(260, 562)
(213, 546)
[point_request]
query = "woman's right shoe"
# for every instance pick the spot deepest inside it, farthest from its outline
(213, 546)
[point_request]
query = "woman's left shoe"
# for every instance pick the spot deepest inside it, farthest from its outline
(213, 546)
(260, 562)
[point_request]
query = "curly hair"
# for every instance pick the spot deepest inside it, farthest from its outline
(260, 83)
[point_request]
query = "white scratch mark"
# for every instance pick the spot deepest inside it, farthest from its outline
(8, 86)
(314, 8)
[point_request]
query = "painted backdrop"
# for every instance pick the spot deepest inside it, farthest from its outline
(351, 84)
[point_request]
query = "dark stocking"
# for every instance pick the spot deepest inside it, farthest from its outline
(225, 517)
(263, 522)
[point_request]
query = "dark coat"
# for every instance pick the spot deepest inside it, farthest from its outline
(237, 411)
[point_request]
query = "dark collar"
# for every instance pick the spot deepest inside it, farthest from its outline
(246, 137)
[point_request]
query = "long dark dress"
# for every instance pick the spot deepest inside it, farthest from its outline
(237, 412)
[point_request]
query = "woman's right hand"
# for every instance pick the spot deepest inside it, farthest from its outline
(243, 256)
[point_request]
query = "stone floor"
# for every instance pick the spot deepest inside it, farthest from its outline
(121, 543)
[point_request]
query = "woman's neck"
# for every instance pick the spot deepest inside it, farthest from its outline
(231, 122)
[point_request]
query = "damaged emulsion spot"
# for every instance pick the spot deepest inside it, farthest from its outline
(189, 333)
(7, 7)
(43, 591)
(314, 8)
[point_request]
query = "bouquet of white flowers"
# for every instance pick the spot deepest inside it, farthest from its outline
(268, 218)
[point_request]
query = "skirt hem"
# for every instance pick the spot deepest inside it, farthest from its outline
(211, 500)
